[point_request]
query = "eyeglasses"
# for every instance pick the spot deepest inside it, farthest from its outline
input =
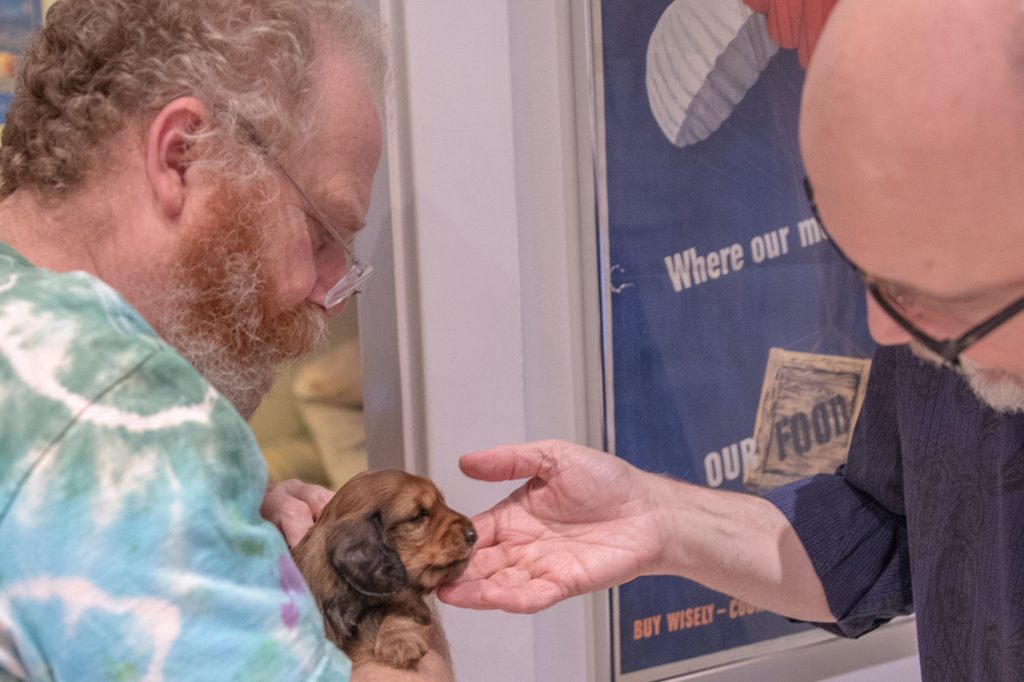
(356, 271)
(949, 349)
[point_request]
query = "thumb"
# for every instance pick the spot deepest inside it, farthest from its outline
(510, 462)
(294, 529)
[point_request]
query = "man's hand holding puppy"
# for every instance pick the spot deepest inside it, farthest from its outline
(294, 507)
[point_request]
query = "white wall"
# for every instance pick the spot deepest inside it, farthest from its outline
(455, 217)
(480, 326)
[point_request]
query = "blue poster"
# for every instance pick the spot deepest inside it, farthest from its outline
(715, 263)
(18, 20)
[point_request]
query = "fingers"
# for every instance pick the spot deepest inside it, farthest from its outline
(493, 580)
(316, 497)
(511, 462)
(293, 506)
(292, 517)
(485, 527)
(518, 596)
(295, 524)
(466, 595)
(484, 563)
(496, 464)
(459, 594)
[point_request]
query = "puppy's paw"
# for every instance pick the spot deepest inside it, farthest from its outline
(400, 647)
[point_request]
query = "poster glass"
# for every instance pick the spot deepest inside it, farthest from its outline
(736, 340)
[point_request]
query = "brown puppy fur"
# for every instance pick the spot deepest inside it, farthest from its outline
(383, 542)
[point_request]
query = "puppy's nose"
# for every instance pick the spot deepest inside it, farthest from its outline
(470, 535)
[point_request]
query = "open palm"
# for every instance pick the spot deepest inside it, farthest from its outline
(581, 523)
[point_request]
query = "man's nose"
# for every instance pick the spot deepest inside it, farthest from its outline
(331, 266)
(332, 263)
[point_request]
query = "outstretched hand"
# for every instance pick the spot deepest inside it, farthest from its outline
(583, 522)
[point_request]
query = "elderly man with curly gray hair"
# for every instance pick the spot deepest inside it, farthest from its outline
(181, 181)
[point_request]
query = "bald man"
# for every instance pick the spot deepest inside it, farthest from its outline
(912, 131)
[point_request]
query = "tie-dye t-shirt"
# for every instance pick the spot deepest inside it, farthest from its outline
(131, 545)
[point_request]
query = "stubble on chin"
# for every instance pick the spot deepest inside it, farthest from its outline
(1001, 390)
(222, 311)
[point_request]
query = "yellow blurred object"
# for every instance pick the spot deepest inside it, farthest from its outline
(333, 378)
(294, 458)
(310, 426)
(329, 396)
(8, 64)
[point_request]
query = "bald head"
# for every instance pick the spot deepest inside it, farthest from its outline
(912, 131)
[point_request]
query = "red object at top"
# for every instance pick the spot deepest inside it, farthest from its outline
(794, 24)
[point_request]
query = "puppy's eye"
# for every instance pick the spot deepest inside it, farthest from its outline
(420, 515)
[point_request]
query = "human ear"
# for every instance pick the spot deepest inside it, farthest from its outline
(169, 151)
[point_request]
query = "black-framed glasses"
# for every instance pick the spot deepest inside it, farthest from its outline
(949, 349)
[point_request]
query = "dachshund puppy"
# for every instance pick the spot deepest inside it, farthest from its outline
(383, 542)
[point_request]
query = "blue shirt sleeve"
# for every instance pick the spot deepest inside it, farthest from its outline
(852, 523)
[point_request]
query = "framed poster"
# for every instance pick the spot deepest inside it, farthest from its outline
(736, 344)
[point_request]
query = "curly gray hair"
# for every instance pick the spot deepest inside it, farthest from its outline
(100, 66)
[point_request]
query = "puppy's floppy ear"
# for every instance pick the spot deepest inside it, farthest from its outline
(361, 554)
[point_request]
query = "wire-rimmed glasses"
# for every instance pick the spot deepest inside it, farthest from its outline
(356, 271)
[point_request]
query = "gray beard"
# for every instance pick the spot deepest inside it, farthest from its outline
(243, 379)
(215, 307)
(1000, 390)
(241, 383)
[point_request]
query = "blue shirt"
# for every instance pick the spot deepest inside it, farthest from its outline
(131, 544)
(926, 516)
